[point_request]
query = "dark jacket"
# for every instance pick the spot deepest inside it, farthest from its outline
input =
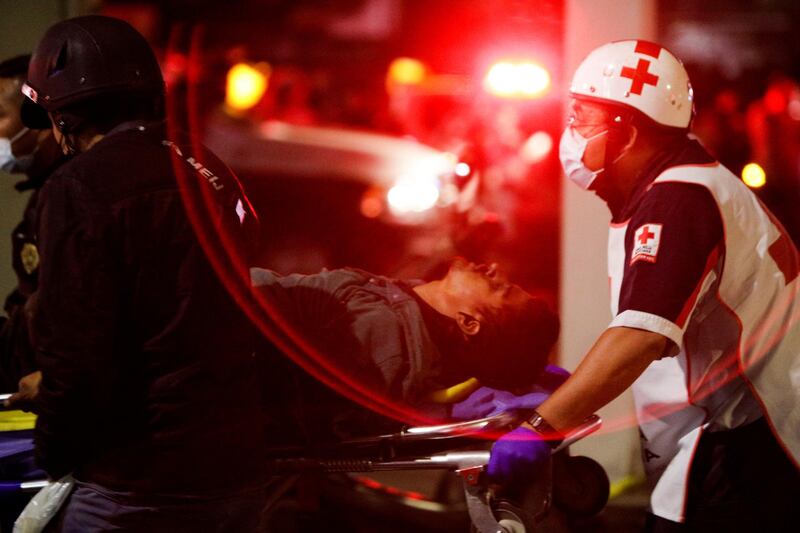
(147, 360)
(371, 332)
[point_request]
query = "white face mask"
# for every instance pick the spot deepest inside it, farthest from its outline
(8, 161)
(570, 151)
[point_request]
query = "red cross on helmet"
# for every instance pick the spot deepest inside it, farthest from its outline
(637, 74)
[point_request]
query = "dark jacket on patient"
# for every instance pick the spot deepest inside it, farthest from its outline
(371, 329)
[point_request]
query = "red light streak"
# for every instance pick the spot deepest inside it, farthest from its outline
(231, 266)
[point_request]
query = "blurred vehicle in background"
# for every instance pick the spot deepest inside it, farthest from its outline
(332, 197)
(406, 72)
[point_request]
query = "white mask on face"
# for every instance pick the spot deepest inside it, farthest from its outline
(570, 151)
(8, 161)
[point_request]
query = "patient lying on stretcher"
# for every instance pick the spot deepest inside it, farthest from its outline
(405, 340)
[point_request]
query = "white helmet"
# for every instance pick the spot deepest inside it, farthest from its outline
(637, 74)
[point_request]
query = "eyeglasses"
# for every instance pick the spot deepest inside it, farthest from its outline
(572, 121)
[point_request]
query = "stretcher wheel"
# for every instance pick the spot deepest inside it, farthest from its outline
(580, 487)
(511, 518)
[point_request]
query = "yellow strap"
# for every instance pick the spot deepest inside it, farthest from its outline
(456, 393)
(625, 484)
(16, 420)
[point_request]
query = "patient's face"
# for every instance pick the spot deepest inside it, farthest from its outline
(482, 286)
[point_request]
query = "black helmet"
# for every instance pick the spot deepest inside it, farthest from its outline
(84, 57)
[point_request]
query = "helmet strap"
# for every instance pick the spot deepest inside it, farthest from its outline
(68, 125)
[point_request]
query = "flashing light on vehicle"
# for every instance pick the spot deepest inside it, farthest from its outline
(462, 169)
(412, 195)
(754, 176)
(246, 85)
(406, 71)
(372, 203)
(537, 147)
(517, 79)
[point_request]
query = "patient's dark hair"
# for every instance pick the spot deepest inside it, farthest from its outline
(513, 345)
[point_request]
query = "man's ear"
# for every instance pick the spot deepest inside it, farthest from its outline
(632, 134)
(468, 324)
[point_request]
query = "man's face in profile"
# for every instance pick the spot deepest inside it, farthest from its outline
(483, 286)
(590, 119)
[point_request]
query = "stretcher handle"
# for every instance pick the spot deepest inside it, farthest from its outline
(457, 460)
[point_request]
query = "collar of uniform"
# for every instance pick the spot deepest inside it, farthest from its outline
(140, 125)
(686, 151)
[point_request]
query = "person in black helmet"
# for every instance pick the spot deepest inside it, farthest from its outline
(147, 390)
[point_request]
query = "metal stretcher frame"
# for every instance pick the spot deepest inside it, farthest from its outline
(385, 453)
(467, 464)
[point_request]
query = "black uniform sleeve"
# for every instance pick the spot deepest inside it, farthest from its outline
(74, 322)
(671, 243)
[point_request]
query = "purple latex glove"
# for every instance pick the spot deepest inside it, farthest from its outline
(505, 401)
(517, 456)
(486, 401)
(479, 404)
(552, 377)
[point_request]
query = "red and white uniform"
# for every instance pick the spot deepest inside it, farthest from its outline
(699, 260)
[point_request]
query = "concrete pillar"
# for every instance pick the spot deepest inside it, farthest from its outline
(584, 298)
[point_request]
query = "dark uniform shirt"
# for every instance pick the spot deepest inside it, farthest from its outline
(663, 285)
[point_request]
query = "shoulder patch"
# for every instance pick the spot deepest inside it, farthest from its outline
(645, 243)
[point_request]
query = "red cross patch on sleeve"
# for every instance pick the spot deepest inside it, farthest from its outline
(645, 243)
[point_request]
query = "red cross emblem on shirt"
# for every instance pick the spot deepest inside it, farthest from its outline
(639, 76)
(646, 242)
(646, 235)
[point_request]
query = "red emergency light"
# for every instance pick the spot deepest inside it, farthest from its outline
(515, 78)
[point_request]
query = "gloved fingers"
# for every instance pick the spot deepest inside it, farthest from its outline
(483, 394)
(553, 377)
(531, 400)
(505, 401)
(479, 404)
(517, 456)
(484, 411)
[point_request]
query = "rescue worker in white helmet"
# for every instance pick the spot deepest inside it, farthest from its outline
(133, 327)
(704, 297)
